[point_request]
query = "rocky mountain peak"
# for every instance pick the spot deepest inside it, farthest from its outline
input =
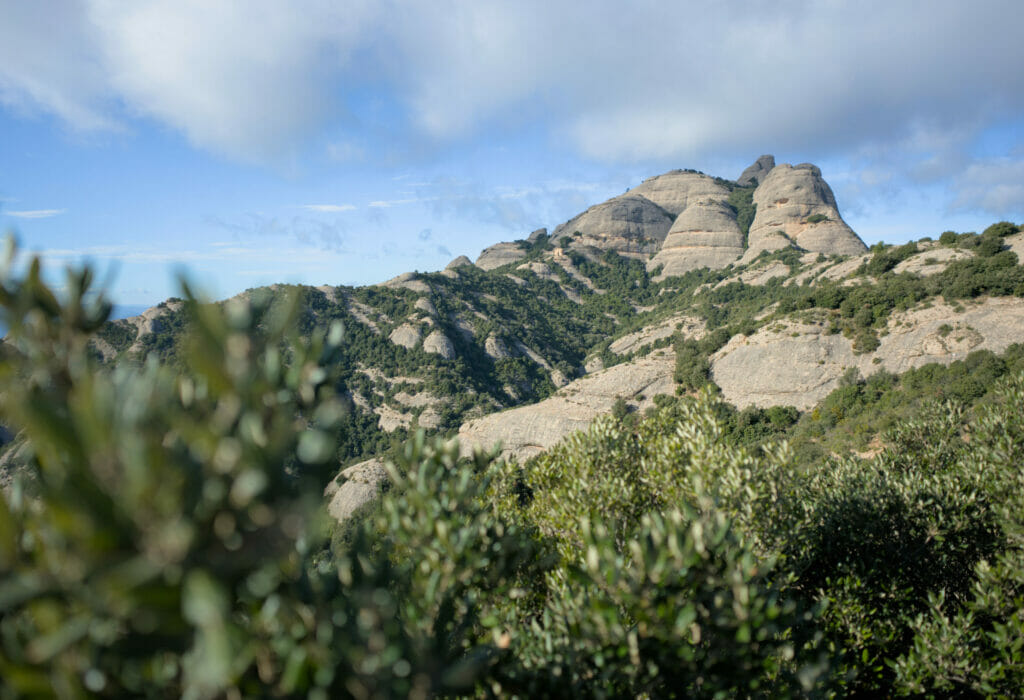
(628, 224)
(756, 172)
(796, 207)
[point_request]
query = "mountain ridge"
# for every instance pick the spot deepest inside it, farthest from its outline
(632, 290)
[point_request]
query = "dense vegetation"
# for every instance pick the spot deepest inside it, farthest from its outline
(165, 534)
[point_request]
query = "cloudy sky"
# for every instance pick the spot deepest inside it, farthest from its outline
(257, 141)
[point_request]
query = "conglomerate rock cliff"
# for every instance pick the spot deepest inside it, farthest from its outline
(796, 207)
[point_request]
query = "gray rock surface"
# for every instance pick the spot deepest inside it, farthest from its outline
(458, 262)
(405, 335)
(688, 326)
(1016, 244)
(495, 348)
(705, 234)
(785, 200)
(499, 254)
(528, 430)
(355, 487)
(535, 235)
(438, 343)
(776, 367)
(408, 280)
(426, 306)
(756, 172)
(676, 190)
(628, 223)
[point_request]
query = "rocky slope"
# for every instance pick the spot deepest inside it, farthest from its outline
(542, 335)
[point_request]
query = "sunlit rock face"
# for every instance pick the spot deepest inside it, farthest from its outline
(704, 235)
(795, 206)
(628, 224)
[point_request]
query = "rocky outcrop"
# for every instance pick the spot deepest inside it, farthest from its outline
(460, 261)
(536, 235)
(405, 335)
(931, 261)
(408, 280)
(795, 206)
(438, 344)
(686, 325)
(426, 306)
(756, 173)
(499, 254)
(705, 234)
(800, 364)
(625, 224)
(676, 190)
(354, 488)
(149, 321)
(528, 430)
(496, 349)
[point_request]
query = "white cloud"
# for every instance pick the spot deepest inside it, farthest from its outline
(993, 186)
(388, 203)
(35, 213)
(684, 81)
(328, 208)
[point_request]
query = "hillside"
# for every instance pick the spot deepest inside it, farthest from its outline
(789, 467)
(757, 285)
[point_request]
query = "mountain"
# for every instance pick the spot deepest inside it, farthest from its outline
(770, 500)
(756, 285)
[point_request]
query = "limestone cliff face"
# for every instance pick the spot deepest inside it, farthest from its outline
(795, 206)
(626, 224)
(705, 234)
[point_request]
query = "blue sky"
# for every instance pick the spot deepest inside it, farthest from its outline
(252, 142)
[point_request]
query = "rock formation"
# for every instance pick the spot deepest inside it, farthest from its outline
(796, 364)
(499, 254)
(528, 430)
(495, 348)
(355, 487)
(408, 280)
(458, 262)
(677, 189)
(755, 174)
(704, 235)
(626, 224)
(795, 206)
(438, 343)
(405, 335)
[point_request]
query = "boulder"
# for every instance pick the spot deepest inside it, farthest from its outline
(795, 206)
(536, 235)
(756, 172)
